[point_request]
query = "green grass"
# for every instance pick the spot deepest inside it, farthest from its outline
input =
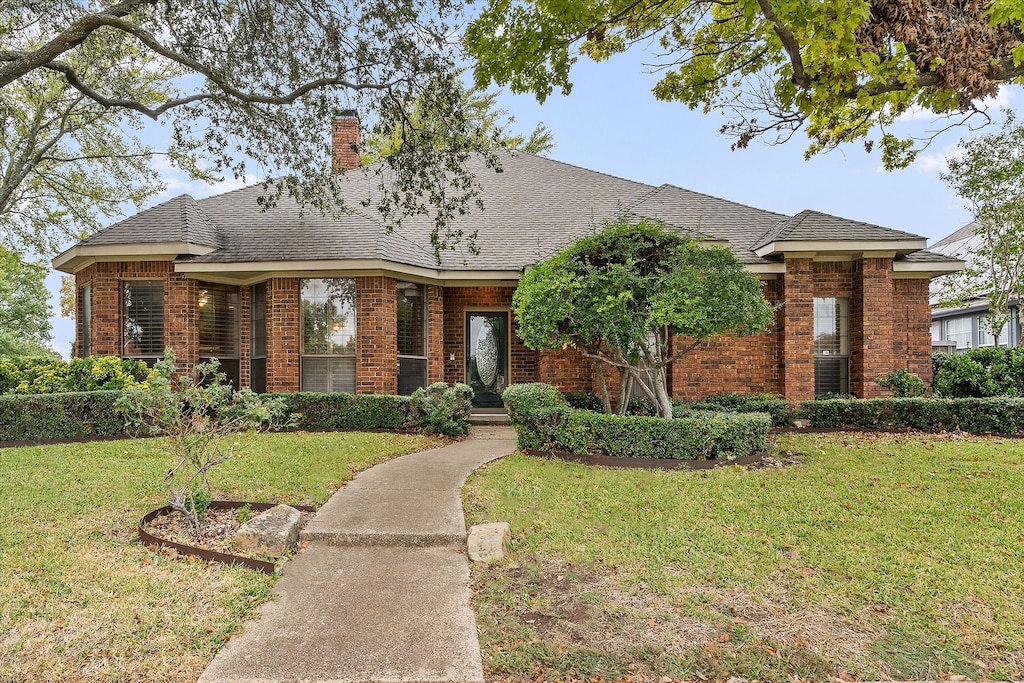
(82, 600)
(877, 556)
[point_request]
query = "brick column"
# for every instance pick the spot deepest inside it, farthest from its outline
(912, 327)
(283, 329)
(376, 329)
(797, 330)
(181, 329)
(435, 334)
(871, 333)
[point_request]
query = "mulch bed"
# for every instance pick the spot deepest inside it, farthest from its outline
(754, 461)
(167, 529)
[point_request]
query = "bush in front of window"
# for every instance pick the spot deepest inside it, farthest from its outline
(543, 418)
(50, 376)
(78, 415)
(438, 409)
(341, 410)
(972, 415)
(776, 406)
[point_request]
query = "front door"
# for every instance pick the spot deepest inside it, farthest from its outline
(487, 357)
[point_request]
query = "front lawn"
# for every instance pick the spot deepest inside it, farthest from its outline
(81, 600)
(875, 556)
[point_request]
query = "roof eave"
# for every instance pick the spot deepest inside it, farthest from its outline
(926, 269)
(82, 255)
(841, 247)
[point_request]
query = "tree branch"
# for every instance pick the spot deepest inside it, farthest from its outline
(74, 35)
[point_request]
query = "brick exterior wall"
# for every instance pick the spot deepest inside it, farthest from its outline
(744, 366)
(376, 335)
(283, 331)
(911, 328)
(871, 326)
(181, 332)
(889, 330)
(435, 334)
(797, 333)
(459, 300)
(568, 369)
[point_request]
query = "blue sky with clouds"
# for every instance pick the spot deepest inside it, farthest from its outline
(612, 123)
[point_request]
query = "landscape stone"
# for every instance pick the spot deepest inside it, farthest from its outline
(273, 532)
(487, 541)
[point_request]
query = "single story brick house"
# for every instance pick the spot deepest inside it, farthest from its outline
(290, 301)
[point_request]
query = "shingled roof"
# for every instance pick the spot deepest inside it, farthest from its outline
(815, 226)
(177, 220)
(534, 207)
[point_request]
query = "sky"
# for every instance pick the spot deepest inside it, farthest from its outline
(612, 123)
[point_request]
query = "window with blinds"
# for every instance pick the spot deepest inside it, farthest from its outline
(218, 314)
(258, 338)
(142, 319)
(328, 319)
(411, 332)
(831, 346)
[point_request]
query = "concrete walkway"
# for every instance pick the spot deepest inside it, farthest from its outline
(382, 591)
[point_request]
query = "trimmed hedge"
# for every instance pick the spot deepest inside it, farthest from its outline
(83, 414)
(53, 376)
(776, 406)
(75, 415)
(973, 415)
(340, 410)
(542, 417)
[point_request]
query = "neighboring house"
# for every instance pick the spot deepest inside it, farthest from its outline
(959, 329)
(292, 302)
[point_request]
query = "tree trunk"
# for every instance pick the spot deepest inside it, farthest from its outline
(625, 390)
(602, 381)
(664, 404)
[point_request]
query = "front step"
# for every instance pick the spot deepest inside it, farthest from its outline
(489, 419)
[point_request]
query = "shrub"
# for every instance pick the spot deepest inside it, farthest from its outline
(904, 383)
(339, 410)
(584, 400)
(977, 416)
(59, 416)
(542, 417)
(438, 408)
(776, 406)
(200, 419)
(530, 406)
(980, 373)
(48, 376)
(442, 409)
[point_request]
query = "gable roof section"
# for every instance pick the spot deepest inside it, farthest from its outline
(164, 232)
(808, 228)
(177, 220)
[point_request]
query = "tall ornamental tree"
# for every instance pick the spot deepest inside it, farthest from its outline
(244, 89)
(835, 68)
(988, 174)
(637, 297)
(24, 307)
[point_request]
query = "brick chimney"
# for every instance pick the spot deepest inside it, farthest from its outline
(345, 140)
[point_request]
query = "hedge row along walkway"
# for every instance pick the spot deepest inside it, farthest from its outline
(382, 591)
